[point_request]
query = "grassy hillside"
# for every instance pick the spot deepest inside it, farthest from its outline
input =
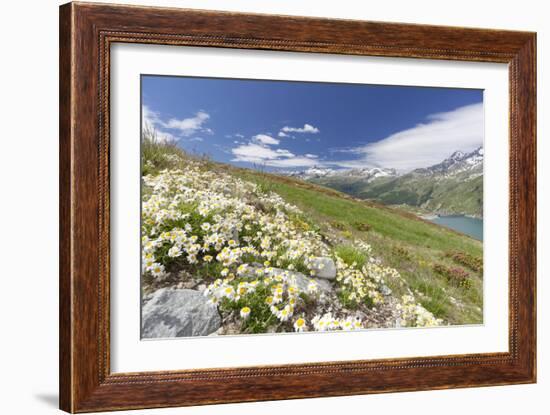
(452, 195)
(403, 241)
(441, 267)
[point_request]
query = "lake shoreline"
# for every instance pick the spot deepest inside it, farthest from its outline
(432, 216)
(466, 225)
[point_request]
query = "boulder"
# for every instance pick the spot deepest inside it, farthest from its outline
(323, 267)
(178, 313)
(302, 282)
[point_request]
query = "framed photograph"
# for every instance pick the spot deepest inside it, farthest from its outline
(260, 207)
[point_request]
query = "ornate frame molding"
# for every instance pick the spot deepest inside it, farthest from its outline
(87, 32)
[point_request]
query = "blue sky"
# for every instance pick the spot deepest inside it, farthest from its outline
(295, 125)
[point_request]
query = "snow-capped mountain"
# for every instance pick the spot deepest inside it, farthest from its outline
(367, 174)
(370, 173)
(311, 173)
(453, 186)
(458, 162)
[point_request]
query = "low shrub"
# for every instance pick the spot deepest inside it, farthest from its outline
(470, 261)
(401, 252)
(455, 275)
(338, 225)
(347, 234)
(363, 227)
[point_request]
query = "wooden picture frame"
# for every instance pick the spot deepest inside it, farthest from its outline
(86, 33)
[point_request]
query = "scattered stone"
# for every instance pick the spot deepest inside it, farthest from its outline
(189, 284)
(323, 267)
(229, 327)
(385, 290)
(324, 299)
(360, 315)
(178, 313)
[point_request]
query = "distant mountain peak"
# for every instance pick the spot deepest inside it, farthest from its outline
(367, 173)
(457, 155)
(452, 186)
(457, 162)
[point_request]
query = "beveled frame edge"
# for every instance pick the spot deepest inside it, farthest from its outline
(86, 33)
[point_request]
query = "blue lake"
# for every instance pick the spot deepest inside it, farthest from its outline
(469, 226)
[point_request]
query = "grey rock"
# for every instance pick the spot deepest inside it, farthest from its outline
(385, 290)
(300, 279)
(324, 267)
(189, 284)
(178, 313)
(302, 282)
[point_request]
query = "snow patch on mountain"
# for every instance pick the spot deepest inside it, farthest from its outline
(457, 163)
(365, 173)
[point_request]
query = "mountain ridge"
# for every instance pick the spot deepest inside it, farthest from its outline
(452, 187)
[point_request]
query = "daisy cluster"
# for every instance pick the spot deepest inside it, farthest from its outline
(327, 322)
(195, 216)
(262, 296)
(414, 315)
(235, 233)
(359, 284)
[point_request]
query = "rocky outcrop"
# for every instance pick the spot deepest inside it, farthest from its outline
(178, 313)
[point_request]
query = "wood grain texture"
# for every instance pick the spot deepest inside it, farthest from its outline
(65, 247)
(86, 33)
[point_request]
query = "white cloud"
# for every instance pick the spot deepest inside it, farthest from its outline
(266, 156)
(236, 135)
(284, 153)
(149, 118)
(265, 139)
(164, 137)
(307, 128)
(425, 144)
(254, 153)
(188, 126)
(259, 150)
(149, 121)
(292, 162)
